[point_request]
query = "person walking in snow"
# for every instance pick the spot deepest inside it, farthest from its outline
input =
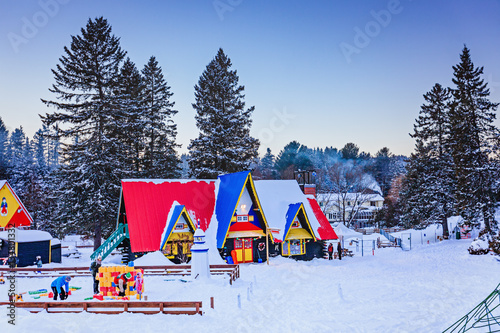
(57, 287)
(121, 282)
(94, 267)
(330, 251)
(339, 250)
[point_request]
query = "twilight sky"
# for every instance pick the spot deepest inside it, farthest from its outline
(323, 73)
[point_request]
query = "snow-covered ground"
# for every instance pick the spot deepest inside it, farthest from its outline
(423, 290)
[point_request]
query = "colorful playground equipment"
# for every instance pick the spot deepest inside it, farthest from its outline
(107, 287)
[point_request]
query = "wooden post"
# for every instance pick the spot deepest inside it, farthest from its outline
(267, 245)
(212, 302)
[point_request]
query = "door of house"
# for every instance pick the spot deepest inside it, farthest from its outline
(244, 249)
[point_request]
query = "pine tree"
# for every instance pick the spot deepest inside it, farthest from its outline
(382, 169)
(20, 157)
(86, 79)
(131, 117)
(434, 185)
(4, 143)
(224, 144)
(350, 151)
(474, 140)
(266, 169)
(160, 158)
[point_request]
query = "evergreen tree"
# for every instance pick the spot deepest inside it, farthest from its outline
(160, 158)
(474, 140)
(266, 166)
(4, 158)
(85, 84)
(350, 151)
(224, 144)
(433, 185)
(20, 156)
(382, 170)
(39, 187)
(417, 193)
(131, 116)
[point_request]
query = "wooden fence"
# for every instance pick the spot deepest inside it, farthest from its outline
(113, 307)
(233, 271)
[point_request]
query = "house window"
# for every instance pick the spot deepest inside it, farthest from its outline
(373, 203)
(180, 226)
(293, 247)
(242, 218)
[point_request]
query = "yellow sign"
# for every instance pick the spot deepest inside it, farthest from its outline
(8, 206)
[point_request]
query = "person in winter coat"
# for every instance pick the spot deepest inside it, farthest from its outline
(330, 251)
(139, 283)
(13, 260)
(121, 282)
(339, 250)
(38, 262)
(57, 287)
(94, 267)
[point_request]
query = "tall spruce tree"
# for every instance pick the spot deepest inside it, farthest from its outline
(432, 187)
(131, 117)
(4, 143)
(160, 158)
(224, 144)
(474, 139)
(85, 81)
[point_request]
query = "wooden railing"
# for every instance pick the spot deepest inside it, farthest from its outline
(232, 270)
(113, 307)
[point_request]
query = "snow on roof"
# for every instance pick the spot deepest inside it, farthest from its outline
(148, 204)
(160, 181)
(277, 195)
(2, 183)
(24, 236)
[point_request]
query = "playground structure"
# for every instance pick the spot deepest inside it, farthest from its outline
(485, 316)
(107, 287)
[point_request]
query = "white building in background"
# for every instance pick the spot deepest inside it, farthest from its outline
(359, 208)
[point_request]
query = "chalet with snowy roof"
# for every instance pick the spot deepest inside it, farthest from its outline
(164, 214)
(298, 225)
(152, 213)
(178, 236)
(242, 225)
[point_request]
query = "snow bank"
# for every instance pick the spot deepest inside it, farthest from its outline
(153, 259)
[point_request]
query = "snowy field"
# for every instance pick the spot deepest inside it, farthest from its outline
(423, 290)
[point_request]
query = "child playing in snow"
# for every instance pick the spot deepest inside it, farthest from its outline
(38, 263)
(139, 281)
(57, 287)
(121, 282)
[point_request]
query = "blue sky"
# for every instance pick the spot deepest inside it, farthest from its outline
(323, 73)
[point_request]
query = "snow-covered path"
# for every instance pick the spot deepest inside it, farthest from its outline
(423, 290)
